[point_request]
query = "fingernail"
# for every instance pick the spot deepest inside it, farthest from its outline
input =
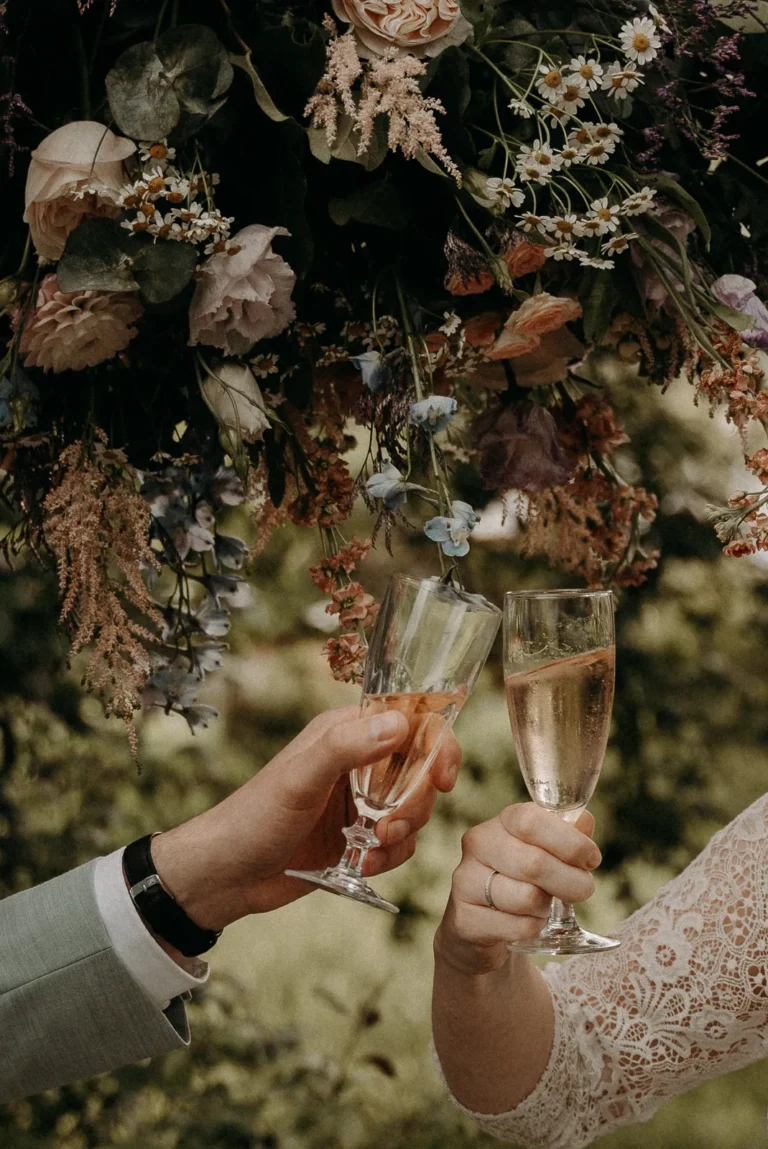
(385, 726)
(398, 831)
(594, 860)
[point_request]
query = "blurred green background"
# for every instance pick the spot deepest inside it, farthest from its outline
(314, 1030)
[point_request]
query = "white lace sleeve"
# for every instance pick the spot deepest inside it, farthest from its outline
(684, 999)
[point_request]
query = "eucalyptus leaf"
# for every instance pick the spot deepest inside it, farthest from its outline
(96, 258)
(598, 299)
(196, 64)
(260, 93)
(140, 97)
(163, 269)
(672, 190)
(345, 145)
(735, 319)
(380, 204)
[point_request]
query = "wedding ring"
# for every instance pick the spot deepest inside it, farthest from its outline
(487, 890)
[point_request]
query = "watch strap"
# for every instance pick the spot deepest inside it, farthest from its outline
(157, 905)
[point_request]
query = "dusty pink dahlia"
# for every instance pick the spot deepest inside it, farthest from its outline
(68, 331)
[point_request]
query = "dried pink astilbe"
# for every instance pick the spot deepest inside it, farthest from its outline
(96, 524)
(389, 87)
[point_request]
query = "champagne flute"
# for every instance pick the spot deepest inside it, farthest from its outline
(428, 647)
(559, 667)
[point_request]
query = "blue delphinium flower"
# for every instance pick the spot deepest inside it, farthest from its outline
(388, 484)
(452, 532)
(374, 370)
(434, 413)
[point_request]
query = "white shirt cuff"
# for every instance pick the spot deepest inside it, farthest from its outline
(149, 965)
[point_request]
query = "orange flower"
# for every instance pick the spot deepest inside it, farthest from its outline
(739, 548)
(523, 330)
(473, 284)
(523, 257)
(481, 330)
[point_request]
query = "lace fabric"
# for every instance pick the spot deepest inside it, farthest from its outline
(683, 1000)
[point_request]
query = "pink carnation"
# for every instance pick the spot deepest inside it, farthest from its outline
(80, 154)
(243, 297)
(68, 331)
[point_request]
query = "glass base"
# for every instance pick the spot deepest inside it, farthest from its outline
(346, 885)
(557, 940)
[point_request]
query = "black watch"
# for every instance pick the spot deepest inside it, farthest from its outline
(158, 907)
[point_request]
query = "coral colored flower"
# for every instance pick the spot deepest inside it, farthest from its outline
(536, 316)
(481, 330)
(244, 297)
(523, 257)
(351, 604)
(419, 27)
(68, 331)
(346, 655)
(739, 548)
(81, 155)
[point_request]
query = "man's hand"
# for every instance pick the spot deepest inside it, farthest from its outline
(229, 862)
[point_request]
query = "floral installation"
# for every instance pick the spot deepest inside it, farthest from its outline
(241, 247)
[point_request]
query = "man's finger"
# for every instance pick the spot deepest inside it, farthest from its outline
(445, 769)
(341, 747)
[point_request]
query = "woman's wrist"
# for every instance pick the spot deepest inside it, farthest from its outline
(469, 959)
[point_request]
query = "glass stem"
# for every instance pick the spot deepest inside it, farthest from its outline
(360, 839)
(562, 916)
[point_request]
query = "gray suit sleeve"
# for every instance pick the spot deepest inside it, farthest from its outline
(68, 1006)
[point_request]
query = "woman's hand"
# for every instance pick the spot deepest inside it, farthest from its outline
(537, 856)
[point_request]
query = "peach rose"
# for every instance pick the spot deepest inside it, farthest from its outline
(419, 27)
(77, 154)
(522, 257)
(244, 297)
(522, 332)
(481, 330)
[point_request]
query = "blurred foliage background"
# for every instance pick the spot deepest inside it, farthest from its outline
(314, 1030)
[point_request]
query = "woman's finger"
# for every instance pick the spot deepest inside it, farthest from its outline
(508, 895)
(530, 823)
(445, 768)
(409, 819)
(499, 850)
(385, 858)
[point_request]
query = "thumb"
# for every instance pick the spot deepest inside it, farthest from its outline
(347, 745)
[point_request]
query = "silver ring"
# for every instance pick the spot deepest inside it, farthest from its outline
(487, 890)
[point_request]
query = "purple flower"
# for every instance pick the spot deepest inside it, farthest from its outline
(452, 532)
(738, 292)
(434, 413)
(519, 449)
(375, 372)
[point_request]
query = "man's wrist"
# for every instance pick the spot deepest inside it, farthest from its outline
(189, 871)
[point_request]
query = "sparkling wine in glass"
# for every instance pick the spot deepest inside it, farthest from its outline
(428, 647)
(559, 668)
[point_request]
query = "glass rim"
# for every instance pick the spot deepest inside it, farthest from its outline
(435, 584)
(511, 595)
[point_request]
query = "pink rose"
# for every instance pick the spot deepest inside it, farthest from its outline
(80, 153)
(419, 27)
(69, 331)
(243, 297)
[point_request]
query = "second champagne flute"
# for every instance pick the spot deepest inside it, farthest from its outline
(428, 647)
(559, 666)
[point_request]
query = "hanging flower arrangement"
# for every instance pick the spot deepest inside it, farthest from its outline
(238, 239)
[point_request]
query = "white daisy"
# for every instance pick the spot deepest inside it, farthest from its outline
(140, 223)
(639, 39)
(569, 155)
(537, 162)
(503, 192)
(595, 261)
(565, 227)
(588, 69)
(581, 137)
(619, 81)
(572, 96)
(567, 251)
(452, 323)
(158, 151)
(529, 221)
(619, 243)
(606, 214)
(593, 227)
(597, 153)
(550, 82)
(556, 114)
(639, 202)
(605, 132)
(657, 18)
(521, 108)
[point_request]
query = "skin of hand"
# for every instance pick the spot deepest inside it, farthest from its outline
(538, 856)
(229, 861)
